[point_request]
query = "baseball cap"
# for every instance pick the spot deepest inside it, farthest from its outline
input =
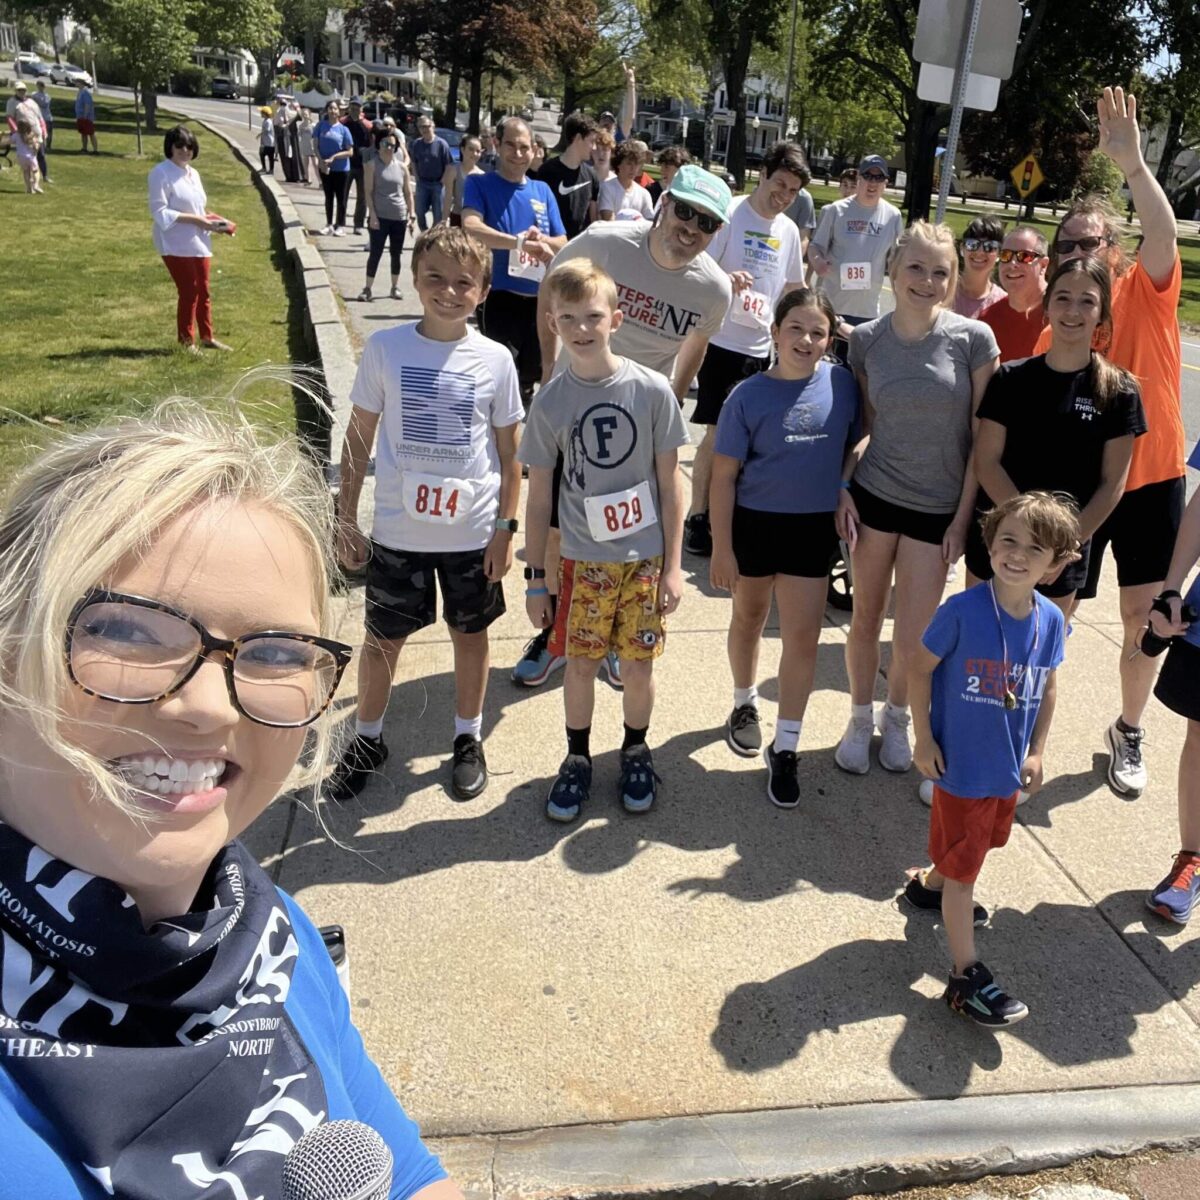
(606, 116)
(701, 189)
(20, 86)
(873, 162)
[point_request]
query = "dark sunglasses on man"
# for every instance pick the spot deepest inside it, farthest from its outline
(704, 221)
(974, 245)
(1089, 245)
(1024, 257)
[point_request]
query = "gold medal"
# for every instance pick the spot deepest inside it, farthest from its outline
(1010, 701)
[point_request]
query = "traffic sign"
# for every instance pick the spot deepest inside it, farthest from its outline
(937, 84)
(940, 24)
(1027, 176)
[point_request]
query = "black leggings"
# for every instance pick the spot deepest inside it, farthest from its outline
(388, 229)
(336, 185)
(266, 158)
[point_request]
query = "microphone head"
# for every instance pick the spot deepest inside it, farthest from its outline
(339, 1160)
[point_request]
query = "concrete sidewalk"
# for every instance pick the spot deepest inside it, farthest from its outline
(720, 956)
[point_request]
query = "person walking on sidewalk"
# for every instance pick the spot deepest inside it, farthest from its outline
(266, 141)
(183, 229)
(447, 489)
(389, 192)
(621, 509)
(1018, 319)
(309, 163)
(335, 146)
(434, 166)
(41, 98)
(360, 132)
(983, 685)
(85, 118)
(785, 440)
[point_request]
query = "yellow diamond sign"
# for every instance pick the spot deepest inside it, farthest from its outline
(1027, 176)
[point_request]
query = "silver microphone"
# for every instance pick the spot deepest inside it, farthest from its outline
(339, 1160)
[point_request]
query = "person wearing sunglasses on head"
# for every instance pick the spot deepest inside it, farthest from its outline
(850, 248)
(1144, 341)
(1019, 317)
(163, 1002)
(979, 250)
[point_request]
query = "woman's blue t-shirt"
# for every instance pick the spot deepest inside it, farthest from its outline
(36, 1162)
(790, 435)
(333, 139)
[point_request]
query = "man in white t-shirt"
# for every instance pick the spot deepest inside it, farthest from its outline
(850, 248)
(759, 247)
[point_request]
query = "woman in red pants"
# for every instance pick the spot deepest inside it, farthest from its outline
(183, 229)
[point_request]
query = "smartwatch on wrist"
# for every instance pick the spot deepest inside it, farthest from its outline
(508, 524)
(535, 573)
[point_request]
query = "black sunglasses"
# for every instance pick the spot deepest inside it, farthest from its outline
(1025, 257)
(874, 176)
(973, 245)
(131, 650)
(705, 222)
(1089, 245)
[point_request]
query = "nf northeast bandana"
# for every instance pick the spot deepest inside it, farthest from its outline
(162, 1058)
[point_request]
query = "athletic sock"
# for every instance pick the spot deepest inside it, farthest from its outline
(862, 712)
(745, 696)
(471, 725)
(787, 735)
(368, 729)
(1126, 728)
(634, 737)
(579, 742)
(895, 710)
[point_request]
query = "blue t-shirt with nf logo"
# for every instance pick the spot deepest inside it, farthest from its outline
(982, 742)
(512, 208)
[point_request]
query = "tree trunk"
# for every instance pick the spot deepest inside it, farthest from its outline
(137, 118)
(736, 63)
(452, 96)
(569, 105)
(310, 53)
(150, 100)
(1171, 146)
(475, 94)
(920, 142)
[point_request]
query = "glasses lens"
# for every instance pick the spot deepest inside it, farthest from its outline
(127, 652)
(874, 176)
(283, 680)
(685, 212)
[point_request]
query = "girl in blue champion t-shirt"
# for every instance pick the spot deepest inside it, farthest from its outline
(785, 441)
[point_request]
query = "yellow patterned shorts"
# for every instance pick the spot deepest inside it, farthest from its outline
(609, 606)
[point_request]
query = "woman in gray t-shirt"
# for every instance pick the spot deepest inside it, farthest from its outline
(388, 188)
(922, 371)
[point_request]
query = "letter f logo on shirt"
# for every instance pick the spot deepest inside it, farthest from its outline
(605, 427)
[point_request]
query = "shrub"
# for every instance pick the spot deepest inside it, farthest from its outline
(311, 84)
(1101, 174)
(110, 67)
(192, 80)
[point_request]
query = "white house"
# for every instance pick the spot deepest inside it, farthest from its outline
(357, 66)
(764, 116)
(239, 66)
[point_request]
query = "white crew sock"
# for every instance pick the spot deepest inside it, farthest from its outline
(471, 725)
(371, 729)
(745, 696)
(895, 710)
(787, 735)
(864, 714)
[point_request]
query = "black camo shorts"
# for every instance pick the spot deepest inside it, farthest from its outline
(401, 597)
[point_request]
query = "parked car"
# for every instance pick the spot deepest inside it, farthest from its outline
(69, 75)
(25, 57)
(39, 69)
(224, 89)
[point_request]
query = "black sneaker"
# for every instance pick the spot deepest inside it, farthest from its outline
(697, 536)
(360, 760)
(783, 788)
(638, 777)
(977, 995)
(470, 774)
(930, 899)
(743, 732)
(570, 791)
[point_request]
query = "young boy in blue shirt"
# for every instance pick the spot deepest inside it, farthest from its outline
(983, 691)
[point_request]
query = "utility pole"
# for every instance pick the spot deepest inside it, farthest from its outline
(791, 73)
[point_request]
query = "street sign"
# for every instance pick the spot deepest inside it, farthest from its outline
(1027, 176)
(937, 84)
(940, 24)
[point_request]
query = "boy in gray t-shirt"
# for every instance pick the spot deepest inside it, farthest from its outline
(618, 427)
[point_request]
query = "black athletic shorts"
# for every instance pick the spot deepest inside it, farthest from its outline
(1178, 685)
(1142, 531)
(401, 597)
(978, 560)
(720, 372)
(771, 543)
(555, 484)
(886, 517)
(510, 318)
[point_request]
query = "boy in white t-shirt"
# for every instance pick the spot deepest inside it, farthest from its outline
(447, 485)
(618, 428)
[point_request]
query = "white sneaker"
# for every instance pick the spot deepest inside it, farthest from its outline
(925, 791)
(1126, 770)
(325, 232)
(339, 231)
(896, 752)
(854, 750)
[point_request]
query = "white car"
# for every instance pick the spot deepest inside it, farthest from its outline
(65, 73)
(28, 56)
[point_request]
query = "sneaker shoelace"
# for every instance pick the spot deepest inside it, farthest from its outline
(787, 761)
(537, 646)
(1184, 868)
(747, 714)
(638, 769)
(468, 752)
(1131, 746)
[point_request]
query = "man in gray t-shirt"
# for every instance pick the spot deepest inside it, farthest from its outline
(609, 433)
(803, 216)
(854, 237)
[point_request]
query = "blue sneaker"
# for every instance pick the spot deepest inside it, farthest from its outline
(537, 663)
(1175, 896)
(569, 792)
(638, 778)
(612, 668)
(975, 994)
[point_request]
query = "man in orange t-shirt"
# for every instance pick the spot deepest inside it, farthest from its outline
(1020, 317)
(1145, 341)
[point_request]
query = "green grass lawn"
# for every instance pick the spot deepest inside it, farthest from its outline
(88, 309)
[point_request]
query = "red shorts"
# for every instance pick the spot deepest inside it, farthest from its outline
(85, 125)
(962, 831)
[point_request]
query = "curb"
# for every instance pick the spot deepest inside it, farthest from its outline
(324, 331)
(822, 1153)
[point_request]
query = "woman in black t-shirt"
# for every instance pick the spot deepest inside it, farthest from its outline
(1061, 422)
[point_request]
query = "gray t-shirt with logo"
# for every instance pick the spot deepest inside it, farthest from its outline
(857, 240)
(921, 399)
(661, 307)
(608, 432)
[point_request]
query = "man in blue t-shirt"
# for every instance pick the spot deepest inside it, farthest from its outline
(517, 218)
(433, 166)
(982, 690)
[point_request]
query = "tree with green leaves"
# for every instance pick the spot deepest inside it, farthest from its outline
(1171, 95)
